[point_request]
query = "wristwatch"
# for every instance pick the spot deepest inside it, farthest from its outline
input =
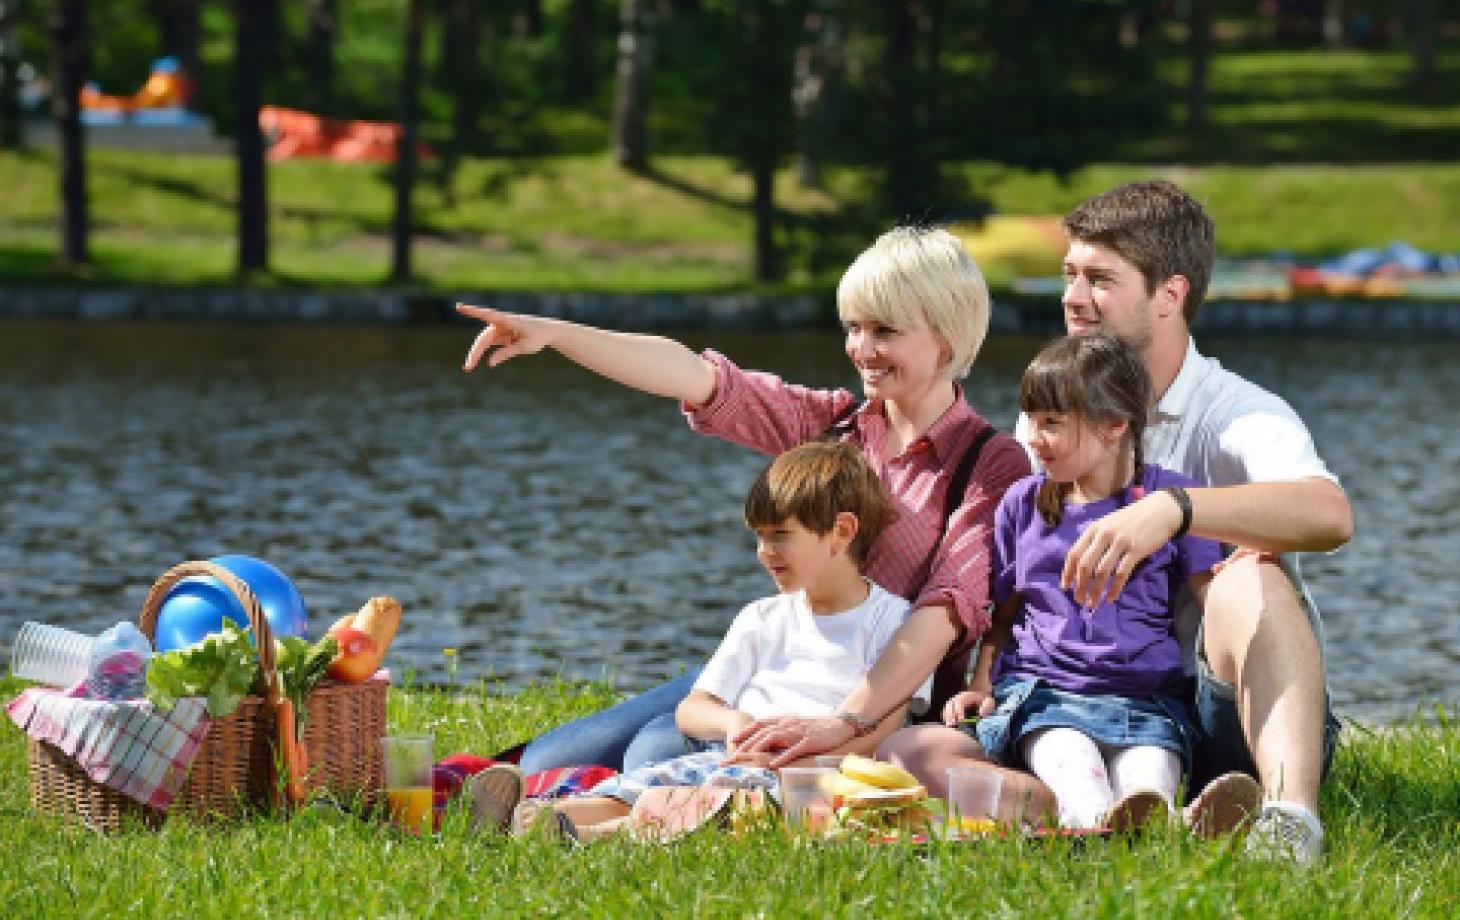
(860, 726)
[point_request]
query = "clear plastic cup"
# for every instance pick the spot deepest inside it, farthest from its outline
(973, 798)
(806, 804)
(50, 655)
(408, 762)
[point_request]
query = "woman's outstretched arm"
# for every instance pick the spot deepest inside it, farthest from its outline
(649, 363)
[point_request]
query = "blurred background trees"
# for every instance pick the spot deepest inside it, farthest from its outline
(903, 91)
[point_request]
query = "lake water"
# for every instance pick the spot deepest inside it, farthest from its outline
(544, 523)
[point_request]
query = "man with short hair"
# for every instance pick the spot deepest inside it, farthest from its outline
(1138, 264)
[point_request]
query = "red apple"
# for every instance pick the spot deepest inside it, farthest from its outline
(358, 657)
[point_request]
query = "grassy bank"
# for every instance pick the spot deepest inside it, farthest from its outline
(578, 223)
(1391, 805)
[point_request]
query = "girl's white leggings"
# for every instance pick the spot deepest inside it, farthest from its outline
(1087, 777)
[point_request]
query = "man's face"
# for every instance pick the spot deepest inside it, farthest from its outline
(1105, 293)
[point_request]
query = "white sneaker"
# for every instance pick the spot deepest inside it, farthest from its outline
(1285, 831)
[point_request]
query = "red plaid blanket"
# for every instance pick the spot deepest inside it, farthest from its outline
(131, 747)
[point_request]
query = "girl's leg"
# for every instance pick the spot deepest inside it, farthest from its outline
(603, 737)
(1070, 763)
(1145, 768)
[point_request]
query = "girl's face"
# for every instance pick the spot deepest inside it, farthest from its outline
(1071, 448)
(796, 557)
(897, 364)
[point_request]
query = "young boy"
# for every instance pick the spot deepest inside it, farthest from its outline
(814, 512)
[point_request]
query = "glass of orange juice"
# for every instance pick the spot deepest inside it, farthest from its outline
(408, 762)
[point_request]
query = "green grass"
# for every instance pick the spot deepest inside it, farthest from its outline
(578, 223)
(1392, 807)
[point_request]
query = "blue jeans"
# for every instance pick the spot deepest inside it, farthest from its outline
(625, 736)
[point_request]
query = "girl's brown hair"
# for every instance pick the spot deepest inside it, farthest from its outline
(813, 483)
(1098, 378)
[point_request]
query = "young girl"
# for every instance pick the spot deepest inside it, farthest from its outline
(1086, 697)
(815, 511)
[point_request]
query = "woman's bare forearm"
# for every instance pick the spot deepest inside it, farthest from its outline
(909, 658)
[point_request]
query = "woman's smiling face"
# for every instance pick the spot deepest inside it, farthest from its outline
(894, 363)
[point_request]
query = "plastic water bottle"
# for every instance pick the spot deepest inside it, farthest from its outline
(117, 669)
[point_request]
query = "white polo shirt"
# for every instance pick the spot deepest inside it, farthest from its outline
(1223, 430)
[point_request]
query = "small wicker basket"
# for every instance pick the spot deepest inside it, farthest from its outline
(234, 772)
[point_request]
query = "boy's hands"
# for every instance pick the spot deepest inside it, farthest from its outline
(509, 333)
(967, 705)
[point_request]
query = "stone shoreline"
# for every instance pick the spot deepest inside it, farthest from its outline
(1336, 318)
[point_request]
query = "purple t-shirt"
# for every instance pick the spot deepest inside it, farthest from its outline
(1127, 648)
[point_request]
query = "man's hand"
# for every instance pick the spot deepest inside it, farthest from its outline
(788, 738)
(510, 334)
(1101, 561)
(968, 704)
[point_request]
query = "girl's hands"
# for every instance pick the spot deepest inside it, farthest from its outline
(966, 705)
(511, 334)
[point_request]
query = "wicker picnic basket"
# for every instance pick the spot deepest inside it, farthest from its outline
(234, 772)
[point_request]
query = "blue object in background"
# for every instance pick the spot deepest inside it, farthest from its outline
(196, 606)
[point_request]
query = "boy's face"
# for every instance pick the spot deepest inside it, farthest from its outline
(796, 557)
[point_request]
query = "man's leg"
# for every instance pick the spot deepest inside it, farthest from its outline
(927, 751)
(1261, 650)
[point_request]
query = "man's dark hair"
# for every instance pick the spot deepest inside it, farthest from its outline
(1157, 227)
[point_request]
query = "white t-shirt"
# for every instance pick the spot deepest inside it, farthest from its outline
(1222, 430)
(778, 658)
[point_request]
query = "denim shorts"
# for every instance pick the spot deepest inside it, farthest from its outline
(1221, 745)
(1025, 705)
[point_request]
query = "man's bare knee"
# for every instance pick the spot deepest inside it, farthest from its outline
(1250, 601)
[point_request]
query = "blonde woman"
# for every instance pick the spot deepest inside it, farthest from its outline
(915, 311)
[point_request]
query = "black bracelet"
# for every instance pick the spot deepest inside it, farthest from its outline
(1183, 501)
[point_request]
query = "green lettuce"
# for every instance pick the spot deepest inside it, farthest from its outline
(220, 667)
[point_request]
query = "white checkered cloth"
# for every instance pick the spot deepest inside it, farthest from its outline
(132, 747)
(702, 768)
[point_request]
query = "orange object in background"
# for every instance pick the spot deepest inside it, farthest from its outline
(167, 87)
(303, 134)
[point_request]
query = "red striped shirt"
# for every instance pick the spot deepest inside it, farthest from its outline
(915, 557)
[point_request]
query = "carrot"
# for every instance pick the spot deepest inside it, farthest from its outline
(290, 754)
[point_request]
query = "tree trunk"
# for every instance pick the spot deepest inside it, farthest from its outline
(1333, 25)
(9, 80)
(323, 29)
(254, 28)
(580, 75)
(405, 166)
(181, 25)
(817, 73)
(762, 149)
(903, 142)
(461, 59)
(1423, 24)
(1199, 47)
(69, 30)
(631, 105)
(529, 18)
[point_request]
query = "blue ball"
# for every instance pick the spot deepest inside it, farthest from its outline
(197, 606)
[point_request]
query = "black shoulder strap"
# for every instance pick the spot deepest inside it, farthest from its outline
(958, 485)
(843, 425)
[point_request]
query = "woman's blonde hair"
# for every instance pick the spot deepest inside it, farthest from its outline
(921, 276)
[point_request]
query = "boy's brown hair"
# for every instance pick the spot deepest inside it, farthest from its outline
(813, 483)
(1155, 226)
